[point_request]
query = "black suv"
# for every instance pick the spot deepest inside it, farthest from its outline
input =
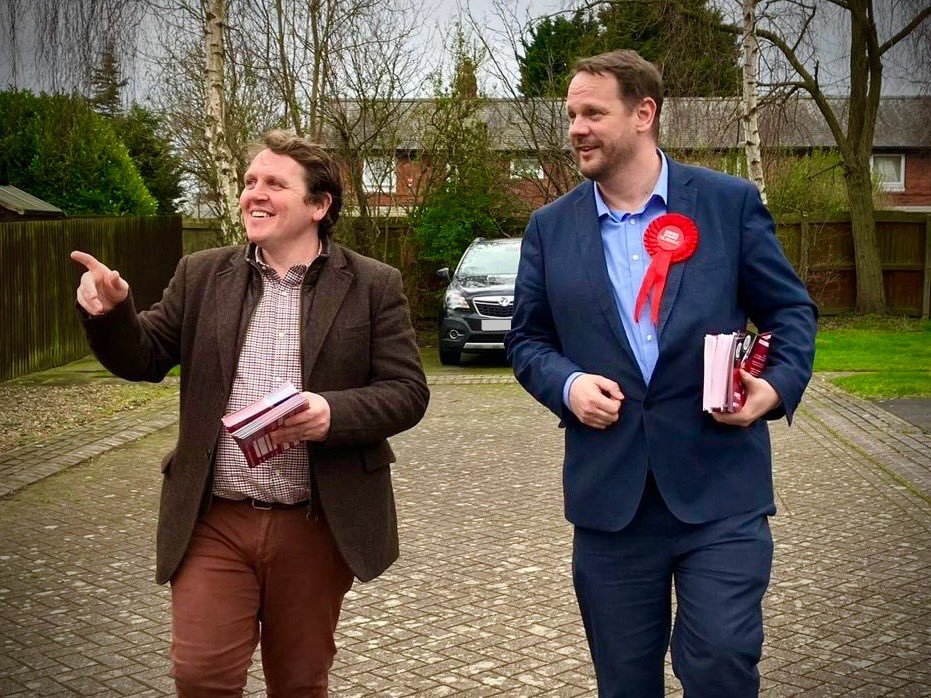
(479, 301)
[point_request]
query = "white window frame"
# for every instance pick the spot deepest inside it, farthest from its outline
(896, 186)
(527, 168)
(379, 175)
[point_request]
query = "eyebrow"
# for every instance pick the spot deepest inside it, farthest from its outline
(273, 179)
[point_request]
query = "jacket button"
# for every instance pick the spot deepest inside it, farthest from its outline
(207, 454)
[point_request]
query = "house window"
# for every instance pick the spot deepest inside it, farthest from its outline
(889, 171)
(378, 175)
(526, 168)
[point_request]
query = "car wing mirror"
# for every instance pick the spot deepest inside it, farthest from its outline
(443, 274)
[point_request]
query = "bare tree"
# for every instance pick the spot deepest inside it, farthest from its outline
(535, 127)
(785, 26)
(334, 70)
(54, 46)
(340, 71)
(216, 122)
(177, 58)
(749, 109)
(291, 43)
(369, 85)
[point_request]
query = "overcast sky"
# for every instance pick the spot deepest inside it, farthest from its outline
(830, 32)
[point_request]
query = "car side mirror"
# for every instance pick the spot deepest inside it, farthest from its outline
(443, 274)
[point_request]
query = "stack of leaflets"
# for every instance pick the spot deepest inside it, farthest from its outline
(250, 427)
(725, 355)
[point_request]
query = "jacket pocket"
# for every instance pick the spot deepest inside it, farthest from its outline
(378, 456)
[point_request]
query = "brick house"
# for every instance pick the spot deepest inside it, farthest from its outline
(901, 155)
(530, 136)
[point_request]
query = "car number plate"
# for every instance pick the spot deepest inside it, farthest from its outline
(496, 325)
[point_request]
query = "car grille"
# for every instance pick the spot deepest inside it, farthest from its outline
(490, 308)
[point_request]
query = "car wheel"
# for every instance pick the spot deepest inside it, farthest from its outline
(450, 357)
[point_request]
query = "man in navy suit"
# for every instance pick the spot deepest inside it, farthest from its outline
(659, 491)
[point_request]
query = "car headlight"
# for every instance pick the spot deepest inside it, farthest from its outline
(456, 301)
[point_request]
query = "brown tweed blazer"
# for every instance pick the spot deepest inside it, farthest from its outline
(359, 352)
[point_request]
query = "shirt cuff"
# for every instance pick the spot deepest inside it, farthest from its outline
(568, 386)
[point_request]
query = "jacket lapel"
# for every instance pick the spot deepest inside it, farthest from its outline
(332, 287)
(232, 282)
(681, 200)
(593, 261)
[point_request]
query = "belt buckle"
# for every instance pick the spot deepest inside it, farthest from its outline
(260, 506)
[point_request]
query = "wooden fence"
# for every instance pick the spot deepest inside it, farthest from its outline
(822, 253)
(37, 287)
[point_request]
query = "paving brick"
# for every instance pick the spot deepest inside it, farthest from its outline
(480, 603)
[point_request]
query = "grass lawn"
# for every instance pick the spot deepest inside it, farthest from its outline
(80, 372)
(44, 403)
(887, 357)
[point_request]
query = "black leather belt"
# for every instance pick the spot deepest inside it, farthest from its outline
(268, 506)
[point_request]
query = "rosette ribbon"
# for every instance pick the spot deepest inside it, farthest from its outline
(669, 239)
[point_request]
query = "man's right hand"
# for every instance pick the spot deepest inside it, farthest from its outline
(595, 400)
(101, 288)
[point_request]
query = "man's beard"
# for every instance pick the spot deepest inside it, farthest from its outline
(612, 157)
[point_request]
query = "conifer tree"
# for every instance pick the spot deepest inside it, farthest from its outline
(107, 83)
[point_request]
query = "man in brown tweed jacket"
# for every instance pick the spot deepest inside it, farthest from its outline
(269, 552)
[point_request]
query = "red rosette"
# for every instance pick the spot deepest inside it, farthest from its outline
(669, 239)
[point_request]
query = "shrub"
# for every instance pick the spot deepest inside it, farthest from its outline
(469, 204)
(57, 148)
(141, 131)
(811, 185)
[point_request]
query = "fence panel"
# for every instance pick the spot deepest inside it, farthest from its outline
(822, 252)
(41, 328)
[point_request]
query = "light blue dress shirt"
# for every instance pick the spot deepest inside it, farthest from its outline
(627, 261)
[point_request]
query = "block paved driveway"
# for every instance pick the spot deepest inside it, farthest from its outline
(480, 603)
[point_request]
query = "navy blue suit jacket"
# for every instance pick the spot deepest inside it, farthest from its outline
(565, 320)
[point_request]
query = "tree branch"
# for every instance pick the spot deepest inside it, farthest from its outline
(804, 29)
(906, 30)
(808, 82)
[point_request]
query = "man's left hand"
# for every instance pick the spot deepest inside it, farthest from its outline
(761, 398)
(313, 424)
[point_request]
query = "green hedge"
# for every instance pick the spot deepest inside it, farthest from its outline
(58, 149)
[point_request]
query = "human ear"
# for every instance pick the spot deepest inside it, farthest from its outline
(321, 206)
(646, 114)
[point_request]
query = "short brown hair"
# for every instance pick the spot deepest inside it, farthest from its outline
(636, 77)
(321, 172)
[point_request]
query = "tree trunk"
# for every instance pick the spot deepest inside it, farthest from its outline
(871, 295)
(314, 109)
(749, 112)
(287, 70)
(227, 185)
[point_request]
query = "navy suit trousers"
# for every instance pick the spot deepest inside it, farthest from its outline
(623, 581)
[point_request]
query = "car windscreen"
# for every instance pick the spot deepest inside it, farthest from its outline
(492, 259)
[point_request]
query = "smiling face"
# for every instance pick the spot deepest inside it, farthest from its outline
(604, 131)
(275, 204)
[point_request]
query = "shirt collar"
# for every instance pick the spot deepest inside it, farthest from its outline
(254, 257)
(661, 189)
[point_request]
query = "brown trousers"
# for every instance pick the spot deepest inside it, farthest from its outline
(250, 576)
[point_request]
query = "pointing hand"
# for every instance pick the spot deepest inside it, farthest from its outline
(101, 288)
